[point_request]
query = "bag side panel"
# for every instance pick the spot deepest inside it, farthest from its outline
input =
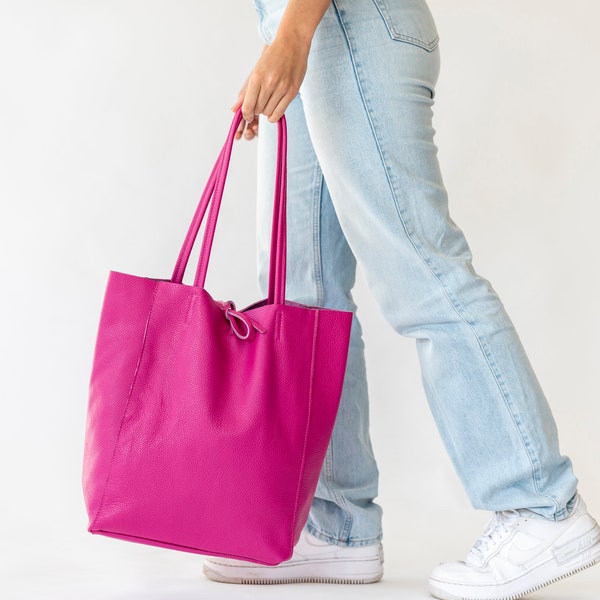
(125, 310)
(211, 450)
(331, 354)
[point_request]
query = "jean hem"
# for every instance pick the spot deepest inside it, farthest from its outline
(347, 542)
(566, 512)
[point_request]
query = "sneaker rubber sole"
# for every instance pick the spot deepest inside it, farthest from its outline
(353, 580)
(536, 579)
(354, 570)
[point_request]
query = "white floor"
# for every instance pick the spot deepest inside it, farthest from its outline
(392, 588)
(96, 568)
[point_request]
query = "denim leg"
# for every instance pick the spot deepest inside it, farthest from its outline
(321, 270)
(368, 97)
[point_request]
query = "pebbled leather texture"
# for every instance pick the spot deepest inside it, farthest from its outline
(207, 425)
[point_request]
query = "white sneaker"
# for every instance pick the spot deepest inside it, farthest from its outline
(313, 561)
(519, 553)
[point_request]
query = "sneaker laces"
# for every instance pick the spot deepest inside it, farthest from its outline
(499, 526)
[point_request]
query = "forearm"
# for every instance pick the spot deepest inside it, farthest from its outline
(276, 78)
(300, 20)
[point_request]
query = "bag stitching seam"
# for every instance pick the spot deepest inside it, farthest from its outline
(137, 367)
(308, 419)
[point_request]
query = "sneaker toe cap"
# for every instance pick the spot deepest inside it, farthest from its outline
(458, 573)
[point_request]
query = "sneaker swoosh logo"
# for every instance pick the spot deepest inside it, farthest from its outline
(519, 556)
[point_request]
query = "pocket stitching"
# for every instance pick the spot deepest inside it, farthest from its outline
(395, 35)
(403, 37)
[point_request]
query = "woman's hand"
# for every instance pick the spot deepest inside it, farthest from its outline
(251, 129)
(273, 83)
(278, 74)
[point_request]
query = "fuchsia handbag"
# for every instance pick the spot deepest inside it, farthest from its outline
(207, 425)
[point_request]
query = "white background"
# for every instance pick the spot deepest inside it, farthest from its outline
(111, 115)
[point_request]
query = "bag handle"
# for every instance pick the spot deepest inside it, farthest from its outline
(214, 192)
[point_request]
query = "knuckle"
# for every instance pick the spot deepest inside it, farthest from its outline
(271, 81)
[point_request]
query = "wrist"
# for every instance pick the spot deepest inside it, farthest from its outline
(300, 21)
(297, 36)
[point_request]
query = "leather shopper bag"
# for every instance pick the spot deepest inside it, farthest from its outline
(207, 425)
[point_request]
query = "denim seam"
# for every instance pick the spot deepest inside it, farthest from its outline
(339, 498)
(351, 542)
(534, 460)
(318, 267)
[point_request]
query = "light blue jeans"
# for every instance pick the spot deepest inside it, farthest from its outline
(364, 185)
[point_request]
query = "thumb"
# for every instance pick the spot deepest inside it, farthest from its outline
(239, 101)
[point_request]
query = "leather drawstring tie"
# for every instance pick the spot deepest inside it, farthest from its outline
(228, 307)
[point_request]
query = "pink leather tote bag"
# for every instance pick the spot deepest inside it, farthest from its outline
(207, 425)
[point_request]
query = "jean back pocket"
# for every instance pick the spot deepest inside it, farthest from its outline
(409, 21)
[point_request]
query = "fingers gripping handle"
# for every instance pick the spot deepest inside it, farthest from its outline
(213, 194)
